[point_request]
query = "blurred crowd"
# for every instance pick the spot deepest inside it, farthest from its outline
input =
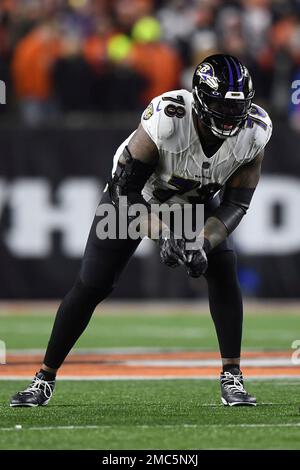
(59, 56)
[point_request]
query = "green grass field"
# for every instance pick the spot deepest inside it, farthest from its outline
(153, 414)
(171, 414)
(179, 330)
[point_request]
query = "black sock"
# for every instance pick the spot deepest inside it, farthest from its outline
(234, 369)
(48, 376)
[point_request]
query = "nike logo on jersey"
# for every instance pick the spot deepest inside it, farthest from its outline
(157, 107)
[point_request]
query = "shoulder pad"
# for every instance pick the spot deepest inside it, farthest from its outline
(260, 122)
(159, 119)
(254, 136)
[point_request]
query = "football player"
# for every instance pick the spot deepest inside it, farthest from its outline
(187, 147)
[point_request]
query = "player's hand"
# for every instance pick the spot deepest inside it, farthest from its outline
(196, 262)
(172, 251)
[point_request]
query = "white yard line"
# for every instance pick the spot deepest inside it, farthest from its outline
(114, 351)
(146, 350)
(153, 307)
(145, 426)
(139, 377)
(259, 362)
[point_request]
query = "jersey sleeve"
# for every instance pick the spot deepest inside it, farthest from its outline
(260, 119)
(253, 138)
(156, 123)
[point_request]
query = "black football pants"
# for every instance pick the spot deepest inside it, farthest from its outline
(102, 264)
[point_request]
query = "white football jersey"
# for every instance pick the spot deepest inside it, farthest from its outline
(184, 173)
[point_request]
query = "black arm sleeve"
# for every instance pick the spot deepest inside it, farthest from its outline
(129, 180)
(234, 206)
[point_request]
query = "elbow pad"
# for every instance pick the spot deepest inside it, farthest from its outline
(129, 180)
(234, 206)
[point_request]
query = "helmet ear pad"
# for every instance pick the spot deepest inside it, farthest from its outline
(196, 104)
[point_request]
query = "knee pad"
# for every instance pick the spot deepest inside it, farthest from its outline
(97, 273)
(83, 293)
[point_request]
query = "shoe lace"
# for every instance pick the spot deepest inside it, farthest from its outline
(233, 383)
(39, 384)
